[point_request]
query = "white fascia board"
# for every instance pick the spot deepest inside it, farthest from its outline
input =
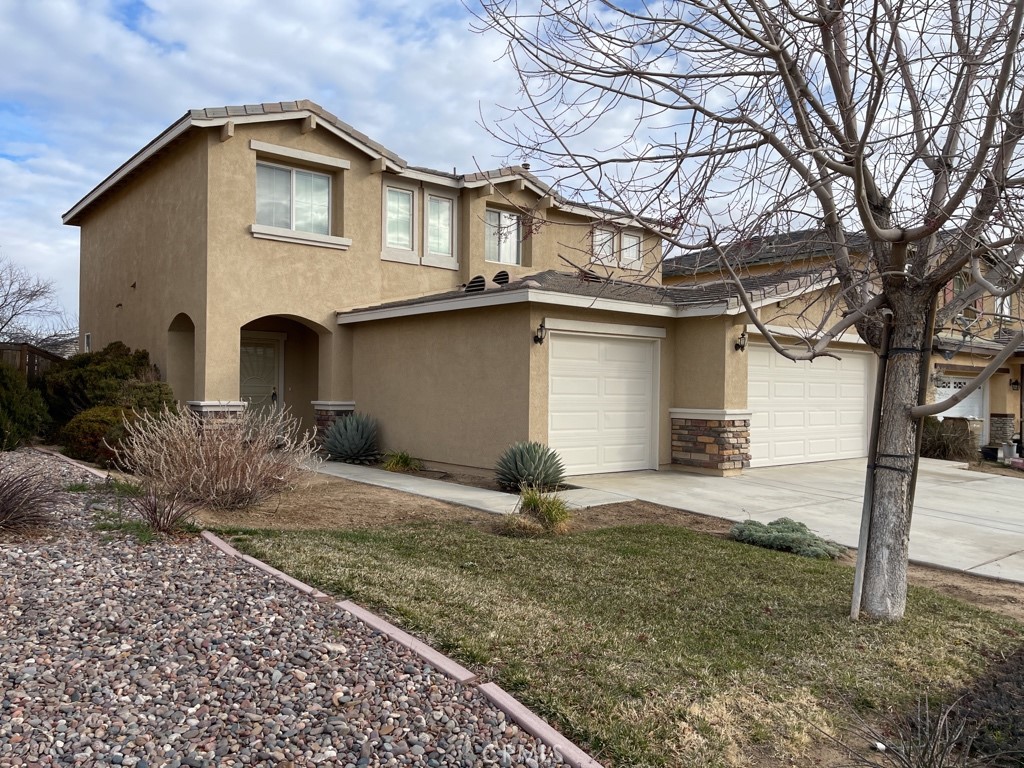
(786, 331)
(734, 306)
(430, 178)
(301, 115)
(133, 162)
(488, 299)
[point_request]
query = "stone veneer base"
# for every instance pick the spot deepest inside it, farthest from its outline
(712, 441)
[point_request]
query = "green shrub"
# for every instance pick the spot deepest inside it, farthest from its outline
(530, 464)
(25, 499)
(22, 411)
(547, 510)
(400, 461)
(352, 439)
(787, 536)
(93, 434)
(113, 376)
(947, 439)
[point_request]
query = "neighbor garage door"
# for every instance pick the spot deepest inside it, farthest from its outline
(807, 411)
(601, 402)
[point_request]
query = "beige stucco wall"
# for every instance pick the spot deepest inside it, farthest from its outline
(148, 232)
(710, 373)
(451, 387)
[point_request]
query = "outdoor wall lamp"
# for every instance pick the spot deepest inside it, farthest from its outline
(1015, 385)
(741, 342)
(540, 334)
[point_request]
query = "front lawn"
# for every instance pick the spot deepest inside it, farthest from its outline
(652, 645)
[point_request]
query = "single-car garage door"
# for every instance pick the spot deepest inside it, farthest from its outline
(807, 411)
(601, 402)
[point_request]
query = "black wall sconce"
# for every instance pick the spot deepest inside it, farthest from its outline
(540, 334)
(1015, 385)
(741, 342)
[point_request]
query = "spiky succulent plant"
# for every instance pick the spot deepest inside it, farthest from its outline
(352, 439)
(529, 464)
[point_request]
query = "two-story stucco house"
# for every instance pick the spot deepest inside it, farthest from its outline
(271, 253)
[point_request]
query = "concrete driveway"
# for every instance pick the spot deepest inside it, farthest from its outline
(965, 520)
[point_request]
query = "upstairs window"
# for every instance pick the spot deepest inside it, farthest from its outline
(399, 219)
(617, 250)
(440, 216)
(289, 198)
(503, 238)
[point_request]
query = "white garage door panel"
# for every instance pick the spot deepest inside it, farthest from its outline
(601, 402)
(803, 411)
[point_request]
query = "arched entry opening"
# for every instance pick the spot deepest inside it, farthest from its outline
(279, 364)
(181, 357)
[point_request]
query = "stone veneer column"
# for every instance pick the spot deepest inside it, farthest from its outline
(329, 411)
(217, 410)
(1000, 428)
(715, 441)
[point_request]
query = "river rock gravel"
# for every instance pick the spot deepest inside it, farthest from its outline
(173, 654)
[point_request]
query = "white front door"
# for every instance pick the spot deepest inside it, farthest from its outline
(260, 370)
(807, 411)
(602, 397)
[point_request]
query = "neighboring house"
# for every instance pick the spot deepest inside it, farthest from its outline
(271, 254)
(809, 397)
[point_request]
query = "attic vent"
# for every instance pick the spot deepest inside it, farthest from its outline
(477, 284)
(501, 278)
(590, 277)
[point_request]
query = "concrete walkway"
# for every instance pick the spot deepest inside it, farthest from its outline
(967, 521)
(466, 495)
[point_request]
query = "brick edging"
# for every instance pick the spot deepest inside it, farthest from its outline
(530, 722)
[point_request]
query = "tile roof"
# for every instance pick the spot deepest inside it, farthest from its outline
(707, 294)
(782, 248)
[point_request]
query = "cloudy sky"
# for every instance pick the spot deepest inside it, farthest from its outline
(86, 83)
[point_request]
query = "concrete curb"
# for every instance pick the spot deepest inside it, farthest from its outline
(531, 723)
(534, 725)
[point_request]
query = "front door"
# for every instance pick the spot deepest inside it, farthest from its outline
(260, 369)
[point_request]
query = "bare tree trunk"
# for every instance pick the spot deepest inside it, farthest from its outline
(885, 573)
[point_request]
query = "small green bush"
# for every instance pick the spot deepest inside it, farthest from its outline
(529, 464)
(114, 376)
(787, 536)
(947, 439)
(548, 510)
(22, 411)
(352, 439)
(400, 461)
(89, 434)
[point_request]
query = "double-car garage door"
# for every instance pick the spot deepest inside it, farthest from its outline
(807, 411)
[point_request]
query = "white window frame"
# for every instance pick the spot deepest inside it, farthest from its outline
(608, 248)
(392, 253)
(291, 199)
(490, 228)
(444, 260)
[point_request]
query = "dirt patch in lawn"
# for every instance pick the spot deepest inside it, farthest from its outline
(327, 502)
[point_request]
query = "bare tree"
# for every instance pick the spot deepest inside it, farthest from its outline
(892, 124)
(29, 312)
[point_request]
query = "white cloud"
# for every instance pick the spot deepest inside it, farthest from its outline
(88, 82)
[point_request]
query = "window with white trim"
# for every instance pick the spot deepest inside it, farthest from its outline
(503, 237)
(611, 249)
(604, 247)
(440, 226)
(399, 219)
(291, 198)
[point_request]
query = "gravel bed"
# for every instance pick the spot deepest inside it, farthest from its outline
(173, 654)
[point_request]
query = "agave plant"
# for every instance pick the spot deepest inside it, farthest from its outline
(352, 440)
(529, 464)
